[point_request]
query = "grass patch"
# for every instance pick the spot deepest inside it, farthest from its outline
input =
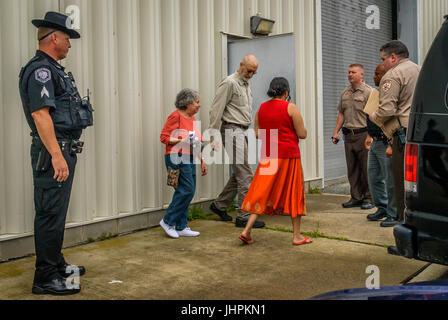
(279, 229)
(315, 234)
(106, 236)
(196, 213)
(103, 237)
(314, 190)
(232, 207)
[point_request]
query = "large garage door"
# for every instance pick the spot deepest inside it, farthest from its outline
(352, 32)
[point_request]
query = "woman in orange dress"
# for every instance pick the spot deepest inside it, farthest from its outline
(278, 185)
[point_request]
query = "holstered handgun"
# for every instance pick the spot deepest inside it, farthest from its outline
(76, 147)
(44, 160)
(401, 133)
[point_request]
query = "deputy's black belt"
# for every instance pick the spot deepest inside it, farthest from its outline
(237, 125)
(347, 132)
(381, 138)
(72, 145)
(378, 138)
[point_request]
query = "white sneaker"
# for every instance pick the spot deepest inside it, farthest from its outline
(187, 232)
(170, 231)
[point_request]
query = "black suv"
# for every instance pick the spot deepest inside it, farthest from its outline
(424, 235)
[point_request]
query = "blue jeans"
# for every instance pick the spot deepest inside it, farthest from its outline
(177, 213)
(381, 179)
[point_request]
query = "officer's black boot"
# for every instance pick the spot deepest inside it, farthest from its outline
(57, 286)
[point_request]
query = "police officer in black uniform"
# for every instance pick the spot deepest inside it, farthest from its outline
(56, 114)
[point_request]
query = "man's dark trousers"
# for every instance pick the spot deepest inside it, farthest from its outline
(51, 201)
(356, 156)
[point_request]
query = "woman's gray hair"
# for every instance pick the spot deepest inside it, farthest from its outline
(185, 98)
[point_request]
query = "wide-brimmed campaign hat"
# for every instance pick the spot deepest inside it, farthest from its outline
(59, 21)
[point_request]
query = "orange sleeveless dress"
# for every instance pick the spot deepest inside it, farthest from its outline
(278, 185)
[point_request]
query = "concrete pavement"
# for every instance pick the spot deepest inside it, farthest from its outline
(216, 265)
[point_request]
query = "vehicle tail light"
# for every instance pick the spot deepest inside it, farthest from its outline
(411, 168)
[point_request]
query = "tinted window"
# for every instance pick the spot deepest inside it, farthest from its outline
(429, 116)
(429, 128)
(431, 92)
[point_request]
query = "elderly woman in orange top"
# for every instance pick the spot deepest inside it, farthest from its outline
(278, 185)
(183, 139)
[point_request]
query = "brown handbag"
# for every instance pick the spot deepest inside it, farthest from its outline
(173, 177)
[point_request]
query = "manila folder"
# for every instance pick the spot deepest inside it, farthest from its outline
(373, 103)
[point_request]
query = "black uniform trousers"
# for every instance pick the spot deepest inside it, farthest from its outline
(51, 200)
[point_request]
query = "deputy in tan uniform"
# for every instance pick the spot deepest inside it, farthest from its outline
(396, 94)
(232, 112)
(353, 122)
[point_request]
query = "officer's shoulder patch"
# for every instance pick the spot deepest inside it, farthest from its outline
(387, 85)
(43, 75)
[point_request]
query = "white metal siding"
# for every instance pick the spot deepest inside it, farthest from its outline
(431, 15)
(134, 56)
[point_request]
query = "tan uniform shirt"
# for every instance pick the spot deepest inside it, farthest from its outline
(352, 104)
(397, 92)
(233, 103)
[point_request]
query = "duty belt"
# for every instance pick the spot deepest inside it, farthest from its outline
(347, 132)
(72, 145)
(378, 138)
(381, 138)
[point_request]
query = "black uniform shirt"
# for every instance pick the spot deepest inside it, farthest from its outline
(43, 80)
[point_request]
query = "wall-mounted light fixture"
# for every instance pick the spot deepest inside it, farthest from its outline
(261, 26)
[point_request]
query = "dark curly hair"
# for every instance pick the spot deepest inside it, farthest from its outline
(278, 87)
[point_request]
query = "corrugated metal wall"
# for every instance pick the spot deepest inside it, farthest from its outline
(431, 13)
(134, 56)
(346, 40)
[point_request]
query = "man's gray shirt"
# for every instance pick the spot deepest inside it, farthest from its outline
(233, 103)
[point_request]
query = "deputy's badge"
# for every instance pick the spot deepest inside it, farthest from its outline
(387, 85)
(43, 75)
(44, 93)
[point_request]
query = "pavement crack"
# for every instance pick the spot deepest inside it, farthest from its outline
(414, 275)
(316, 234)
